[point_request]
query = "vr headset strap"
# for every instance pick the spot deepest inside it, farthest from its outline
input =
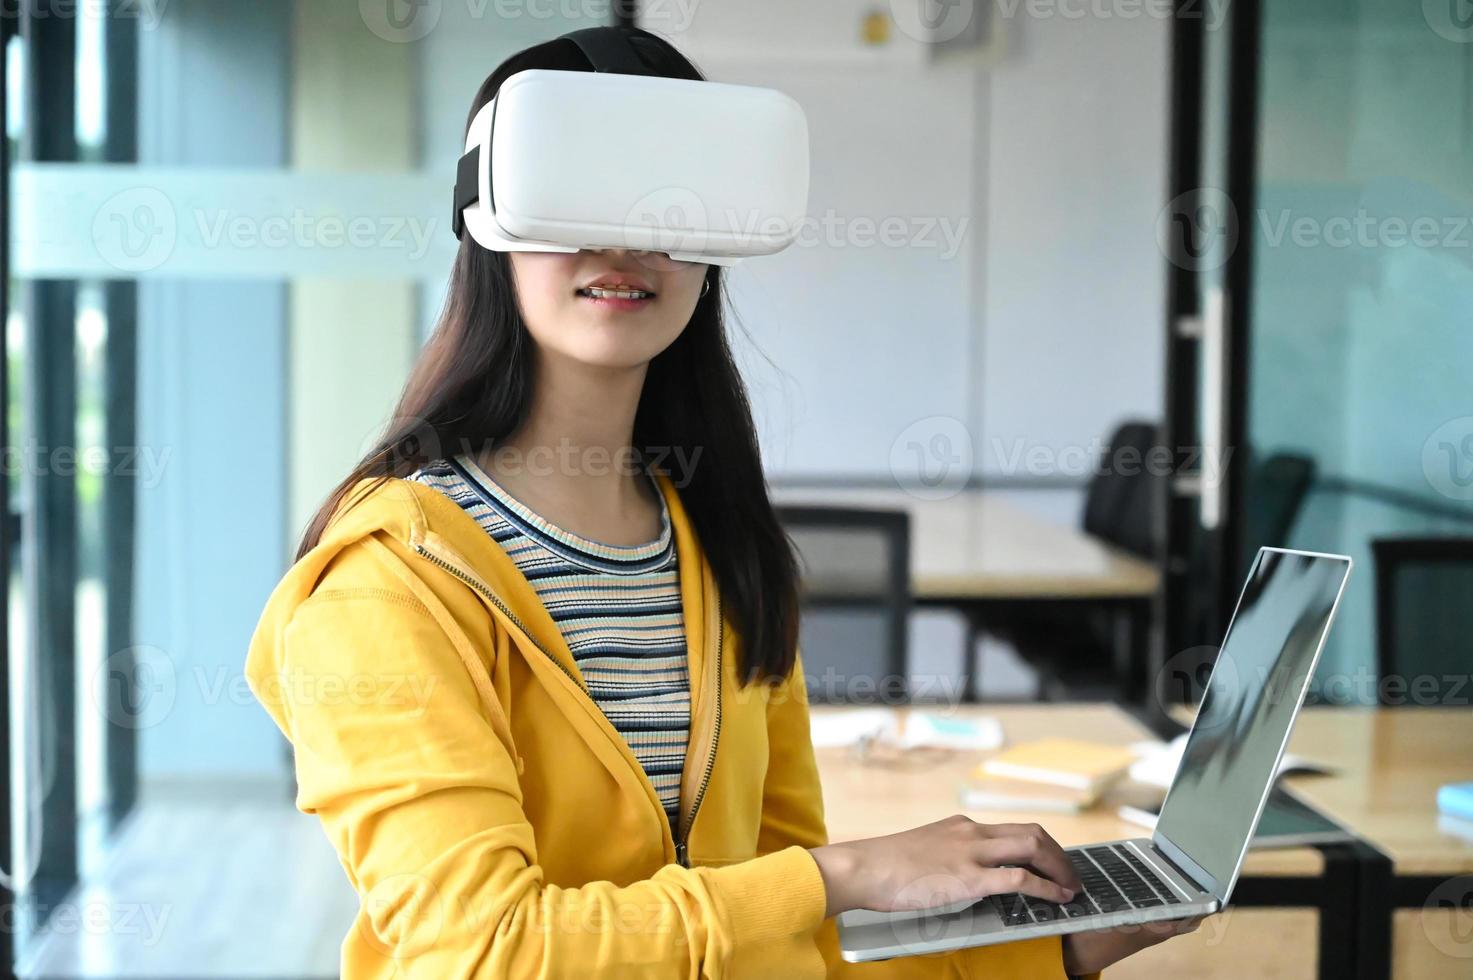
(606, 50)
(467, 188)
(609, 50)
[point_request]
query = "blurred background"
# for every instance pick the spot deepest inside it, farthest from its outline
(1100, 296)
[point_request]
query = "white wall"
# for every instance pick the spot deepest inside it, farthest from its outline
(1073, 314)
(1043, 327)
(213, 84)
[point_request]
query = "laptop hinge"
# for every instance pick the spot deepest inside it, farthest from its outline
(1166, 859)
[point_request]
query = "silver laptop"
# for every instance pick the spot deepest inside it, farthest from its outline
(1189, 865)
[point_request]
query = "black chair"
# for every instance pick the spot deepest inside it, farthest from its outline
(1424, 621)
(1071, 644)
(1121, 503)
(1073, 653)
(855, 594)
(1272, 498)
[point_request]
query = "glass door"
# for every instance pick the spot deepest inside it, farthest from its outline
(226, 241)
(1322, 317)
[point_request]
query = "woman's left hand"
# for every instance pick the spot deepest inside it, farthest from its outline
(1091, 952)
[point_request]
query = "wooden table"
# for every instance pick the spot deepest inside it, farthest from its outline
(1418, 918)
(977, 544)
(978, 552)
(1282, 898)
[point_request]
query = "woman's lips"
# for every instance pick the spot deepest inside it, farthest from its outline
(618, 298)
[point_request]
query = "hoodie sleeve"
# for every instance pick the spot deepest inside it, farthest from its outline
(792, 813)
(398, 754)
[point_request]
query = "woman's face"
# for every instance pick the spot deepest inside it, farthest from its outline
(608, 308)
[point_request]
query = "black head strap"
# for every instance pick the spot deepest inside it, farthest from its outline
(608, 49)
(467, 188)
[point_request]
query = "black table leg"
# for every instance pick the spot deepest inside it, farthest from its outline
(1374, 905)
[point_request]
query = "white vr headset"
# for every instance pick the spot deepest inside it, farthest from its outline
(703, 171)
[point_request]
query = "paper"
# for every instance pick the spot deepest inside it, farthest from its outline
(837, 729)
(1159, 762)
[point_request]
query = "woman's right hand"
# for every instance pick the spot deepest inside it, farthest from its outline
(951, 860)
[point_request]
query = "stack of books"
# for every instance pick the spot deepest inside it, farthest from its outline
(1053, 775)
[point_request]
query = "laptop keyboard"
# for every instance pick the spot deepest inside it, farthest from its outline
(1114, 880)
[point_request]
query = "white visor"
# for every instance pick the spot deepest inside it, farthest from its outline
(703, 171)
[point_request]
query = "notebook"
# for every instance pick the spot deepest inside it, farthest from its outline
(1066, 762)
(1286, 822)
(984, 792)
(1456, 800)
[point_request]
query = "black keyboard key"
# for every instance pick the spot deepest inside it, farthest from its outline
(1148, 903)
(1080, 906)
(1012, 909)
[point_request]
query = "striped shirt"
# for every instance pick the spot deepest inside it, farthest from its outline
(617, 606)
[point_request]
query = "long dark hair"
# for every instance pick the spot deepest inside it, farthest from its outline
(472, 386)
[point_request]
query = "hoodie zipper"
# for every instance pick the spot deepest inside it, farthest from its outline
(682, 852)
(424, 552)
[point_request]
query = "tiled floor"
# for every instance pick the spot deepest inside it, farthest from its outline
(198, 889)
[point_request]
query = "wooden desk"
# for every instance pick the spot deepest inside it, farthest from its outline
(1391, 762)
(981, 554)
(1267, 938)
(977, 544)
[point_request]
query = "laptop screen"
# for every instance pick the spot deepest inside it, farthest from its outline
(1249, 706)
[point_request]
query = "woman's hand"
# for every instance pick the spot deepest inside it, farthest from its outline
(947, 861)
(1091, 952)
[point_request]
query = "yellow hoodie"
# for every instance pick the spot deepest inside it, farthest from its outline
(493, 821)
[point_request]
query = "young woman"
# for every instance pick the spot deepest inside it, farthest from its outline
(537, 659)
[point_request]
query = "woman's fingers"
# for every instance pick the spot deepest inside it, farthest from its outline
(1000, 881)
(1028, 843)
